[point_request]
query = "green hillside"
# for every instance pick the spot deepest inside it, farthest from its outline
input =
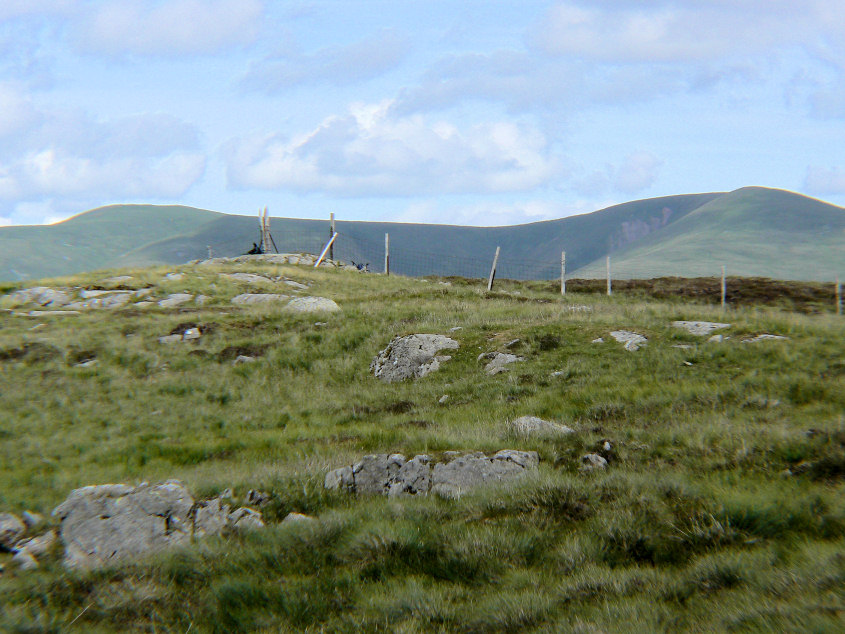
(753, 231)
(699, 487)
(92, 240)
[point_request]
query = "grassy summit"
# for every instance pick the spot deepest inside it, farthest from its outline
(722, 506)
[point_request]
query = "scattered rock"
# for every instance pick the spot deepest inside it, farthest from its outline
(312, 305)
(682, 346)
(191, 334)
(632, 340)
(413, 356)
(717, 339)
(765, 337)
(90, 363)
(102, 300)
(298, 518)
(250, 278)
(592, 462)
(511, 344)
(534, 426)
(598, 340)
(699, 328)
(31, 519)
(296, 285)
(40, 295)
(25, 560)
(51, 313)
(109, 522)
(170, 339)
(443, 399)
(394, 476)
(257, 298)
(456, 328)
(245, 519)
(183, 333)
(38, 546)
(11, 527)
(174, 276)
(242, 358)
(498, 361)
(257, 498)
(175, 299)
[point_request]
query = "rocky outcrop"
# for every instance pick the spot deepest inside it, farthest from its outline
(632, 340)
(393, 475)
(533, 426)
(497, 361)
(312, 305)
(105, 523)
(699, 328)
(249, 278)
(765, 337)
(411, 357)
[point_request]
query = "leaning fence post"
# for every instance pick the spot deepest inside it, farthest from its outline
(608, 275)
(724, 287)
(387, 254)
(563, 272)
(493, 270)
(325, 249)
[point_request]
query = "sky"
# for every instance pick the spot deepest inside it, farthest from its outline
(461, 112)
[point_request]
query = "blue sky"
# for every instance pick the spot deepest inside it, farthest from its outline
(462, 112)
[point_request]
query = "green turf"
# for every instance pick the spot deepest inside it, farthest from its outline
(693, 527)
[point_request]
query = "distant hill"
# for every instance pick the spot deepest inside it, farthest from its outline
(752, 231)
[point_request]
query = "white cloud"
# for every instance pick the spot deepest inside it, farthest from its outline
(825, 181)
(482, 214)
(372, 152)
(172, 27)
(18, 8)
(353, 63)
(677, 31)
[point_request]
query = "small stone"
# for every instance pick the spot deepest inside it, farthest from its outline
(511, 344)
(296, 284)
(38, 546)
(699, 328)
(592, 462)
(534, 426)
(682, 346)
(632, 340)
(175, 299)
(443, 399)
(298, 518)
(170, 338)
(320, 324)
(31, 519)
(598, 340)
(257, 498)
(191, 334)
(174, 276)
(456, 328)
(245, 519)
(717, 339)
(765, 337)
(25, 560)
(242, 358)
(87, 364)
(498, 361)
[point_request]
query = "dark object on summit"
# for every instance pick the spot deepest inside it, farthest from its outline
(361, 267)
(255, 250)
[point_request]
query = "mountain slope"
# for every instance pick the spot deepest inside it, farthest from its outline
(753, 231)
(91, 240)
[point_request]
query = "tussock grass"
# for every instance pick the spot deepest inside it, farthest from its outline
(723, 506)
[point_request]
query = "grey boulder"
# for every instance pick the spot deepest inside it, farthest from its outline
(412, 356)
(312, 305)
(534, 426)
(257, 298)
(110, 522)
(632, 340)
(11, 527)
(453, 479)
(699, 328)
(497, 361)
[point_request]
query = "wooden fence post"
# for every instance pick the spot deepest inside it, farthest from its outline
(493, 270)
(563, 272)
(724, 287)
(387, 254)
(608, 275)
(838, 296)
(331, 233)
